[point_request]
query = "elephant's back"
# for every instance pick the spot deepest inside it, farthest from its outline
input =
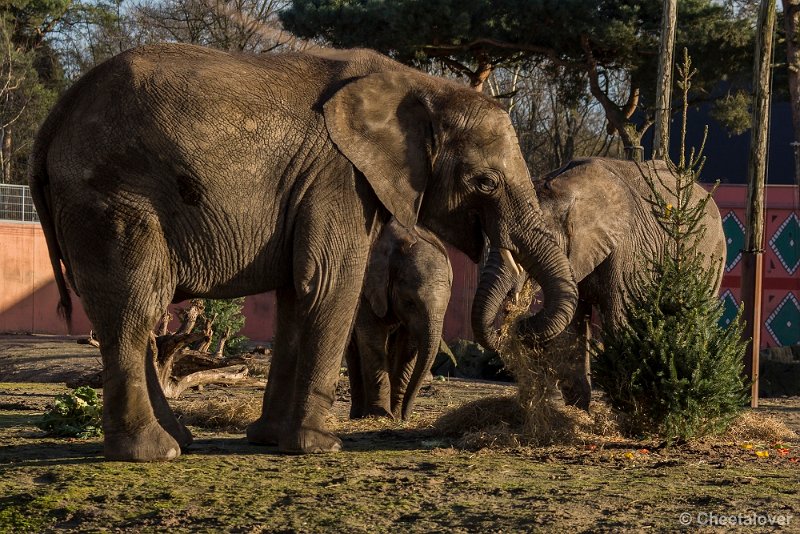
(190, 142)
(211, 126)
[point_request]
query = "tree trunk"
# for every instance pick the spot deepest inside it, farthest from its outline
(221, 344)
(752, 255)
(163, 328)
(618, 117)
(196, 308)
(208, 330)
(91, 340)
(7, 153)
(664, 89)
(482, 72)
(791, 24)
(166, 351)
(223, 375)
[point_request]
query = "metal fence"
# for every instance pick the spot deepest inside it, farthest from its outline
(16, 203)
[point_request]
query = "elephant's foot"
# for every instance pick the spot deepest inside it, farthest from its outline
(263, 432)
(166, 418)
(371, 411)
(151, 444)
(309, 441)
(177, 430)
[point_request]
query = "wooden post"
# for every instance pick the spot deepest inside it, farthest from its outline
(752, 255)
(791, 25)
(664, 89)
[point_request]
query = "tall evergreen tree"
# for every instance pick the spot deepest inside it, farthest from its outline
(671, 368)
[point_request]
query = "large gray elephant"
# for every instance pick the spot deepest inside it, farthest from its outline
(398, 327)
(597, 210)
(174, 171)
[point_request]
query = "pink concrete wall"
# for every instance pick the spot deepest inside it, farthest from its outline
(28, 295)
(778, 283)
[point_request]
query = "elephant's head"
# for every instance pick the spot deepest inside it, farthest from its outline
(443, 155)
(576, 201)
(409, 280)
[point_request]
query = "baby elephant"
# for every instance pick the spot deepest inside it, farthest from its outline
(399, 323)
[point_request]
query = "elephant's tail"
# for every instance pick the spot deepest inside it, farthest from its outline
(40, 193)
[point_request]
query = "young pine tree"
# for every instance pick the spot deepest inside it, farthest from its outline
(671, 369)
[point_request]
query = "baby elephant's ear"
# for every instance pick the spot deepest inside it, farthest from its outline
(377, 277)
(385, 129)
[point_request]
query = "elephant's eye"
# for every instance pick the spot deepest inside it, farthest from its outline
(486, 183)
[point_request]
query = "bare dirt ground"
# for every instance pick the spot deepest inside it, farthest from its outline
(391, 477)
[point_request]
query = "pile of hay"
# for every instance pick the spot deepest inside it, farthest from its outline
(754, 426)
(229, 414)
(536, 415)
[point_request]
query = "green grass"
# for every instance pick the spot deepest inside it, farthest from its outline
(378, 484)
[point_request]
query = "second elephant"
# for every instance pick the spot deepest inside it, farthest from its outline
(399, 323)
(598, 212)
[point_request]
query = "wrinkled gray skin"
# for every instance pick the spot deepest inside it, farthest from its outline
(399, 322)
(597, 212)
(173, 171)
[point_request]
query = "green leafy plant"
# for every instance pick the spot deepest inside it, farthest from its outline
(227, 314)
(76, 415)
(670, 368)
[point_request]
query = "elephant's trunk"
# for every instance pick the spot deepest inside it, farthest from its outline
(427, 349)
(497, 279)
(546, 263)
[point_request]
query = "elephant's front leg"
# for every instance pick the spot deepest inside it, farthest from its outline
(370, 336)
(279, 395)
(326, 309)
(331, 243)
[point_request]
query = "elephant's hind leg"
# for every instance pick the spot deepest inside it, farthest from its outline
(356, 380)
(125, 284)
(370, 338)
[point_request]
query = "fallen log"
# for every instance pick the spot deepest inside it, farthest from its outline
(223, 375)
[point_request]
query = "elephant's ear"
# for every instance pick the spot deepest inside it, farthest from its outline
(380, 124)
(388, 257)
(596, 215)
(377, 277)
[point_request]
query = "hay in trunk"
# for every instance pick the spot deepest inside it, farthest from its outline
(544, 417)
(536, 415)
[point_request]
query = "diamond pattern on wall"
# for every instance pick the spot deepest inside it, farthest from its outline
(784, 323)
(729, 309)
(734, 240)
(785, 243)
